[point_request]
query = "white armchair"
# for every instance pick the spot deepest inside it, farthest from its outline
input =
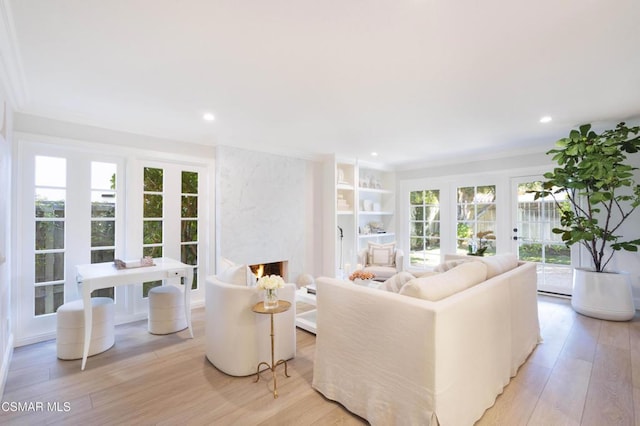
(236, 338)
(382, 269)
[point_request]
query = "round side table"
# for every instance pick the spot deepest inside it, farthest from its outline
(259, 308)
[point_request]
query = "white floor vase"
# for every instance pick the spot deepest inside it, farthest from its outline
(602, 295)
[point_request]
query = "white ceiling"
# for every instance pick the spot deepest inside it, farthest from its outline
(410, 79)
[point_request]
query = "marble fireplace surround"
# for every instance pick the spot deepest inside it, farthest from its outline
(265, 210)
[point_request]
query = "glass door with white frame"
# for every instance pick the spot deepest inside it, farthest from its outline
(534, 240)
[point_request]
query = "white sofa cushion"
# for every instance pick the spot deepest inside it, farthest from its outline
(439, 286)
(395, 283)
(450, 264)
(238, 275)
(382, 254)
(499, 264)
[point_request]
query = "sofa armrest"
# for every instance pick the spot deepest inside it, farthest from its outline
(382, 338)
(399, 260)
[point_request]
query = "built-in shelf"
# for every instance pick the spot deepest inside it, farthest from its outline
(360, 197)
(385, 234)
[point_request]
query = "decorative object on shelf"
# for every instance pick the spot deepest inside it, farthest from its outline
(138, 263)
(376, 227)
(477, 247)
(270, 284)
(595, 191)
(341, 237)
(361, 277)
(343, 205)
(367, 205)
(341, 176)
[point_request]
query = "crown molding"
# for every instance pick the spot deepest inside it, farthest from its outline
(12, 78)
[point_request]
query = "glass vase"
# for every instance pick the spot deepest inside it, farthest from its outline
(270, 298)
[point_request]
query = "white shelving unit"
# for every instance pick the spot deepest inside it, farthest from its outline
(376, 206)
(360, 201)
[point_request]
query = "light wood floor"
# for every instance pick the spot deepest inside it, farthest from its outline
(586, 372)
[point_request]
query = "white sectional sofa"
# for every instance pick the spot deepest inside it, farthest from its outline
(399, 360)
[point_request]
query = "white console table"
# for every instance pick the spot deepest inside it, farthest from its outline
(104, 275)
(306, 320)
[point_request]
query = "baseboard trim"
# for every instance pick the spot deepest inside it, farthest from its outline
(4, 368)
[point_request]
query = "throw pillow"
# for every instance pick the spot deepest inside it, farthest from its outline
(382, 254)
(499, 264)
(395, 283)
(238, 275)
(440, 286)
(450, 264)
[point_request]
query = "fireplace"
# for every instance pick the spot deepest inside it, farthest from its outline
(272, 268)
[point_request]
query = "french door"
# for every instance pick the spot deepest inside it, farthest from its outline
(70, 212)
(533, 239)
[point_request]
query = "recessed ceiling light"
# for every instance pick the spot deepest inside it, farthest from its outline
(545, 119)
(208, 117)
(374, 154)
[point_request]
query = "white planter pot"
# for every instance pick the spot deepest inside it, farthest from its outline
(602, 295)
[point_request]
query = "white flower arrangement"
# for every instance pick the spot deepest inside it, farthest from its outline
(270, 282)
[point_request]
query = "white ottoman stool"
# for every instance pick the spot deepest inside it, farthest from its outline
(166, 310)
(70, 328)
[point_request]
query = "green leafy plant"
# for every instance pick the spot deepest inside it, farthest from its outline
(594, 189)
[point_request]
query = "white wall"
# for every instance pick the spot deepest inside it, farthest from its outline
(268, 207)
(6, 335)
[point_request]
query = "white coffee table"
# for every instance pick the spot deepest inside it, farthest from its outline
(306, 320)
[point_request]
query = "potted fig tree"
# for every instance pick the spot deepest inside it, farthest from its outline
(595, 191)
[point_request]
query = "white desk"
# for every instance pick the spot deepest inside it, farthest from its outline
(104, 275)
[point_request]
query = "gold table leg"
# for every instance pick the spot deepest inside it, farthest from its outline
(273, 366)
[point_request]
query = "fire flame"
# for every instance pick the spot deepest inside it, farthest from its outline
(260, 271)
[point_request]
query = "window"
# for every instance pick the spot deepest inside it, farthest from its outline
(49, 208)
(103, 217)
(476, 212)
(189, 222)
(153, 213)
(425, 227)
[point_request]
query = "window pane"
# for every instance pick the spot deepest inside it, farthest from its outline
(103, 204)
(49, 267)
(432, 213)
(50, 202)
(148, 286)
(189, 254)
(466, 194)
(48, 299)
(153, 179)
(486, 194)
(189, 182)
(104, 292)
(189, 230)
(51, 171)
(101, 256)
(417, 229)
(416, 197)
(486, 212)
(103, 233)
(417, 213)
(152, 205)
(49, 235)
(152, 251)
(189, 206)
(424, 228)
(152, 231)
(103, 175)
